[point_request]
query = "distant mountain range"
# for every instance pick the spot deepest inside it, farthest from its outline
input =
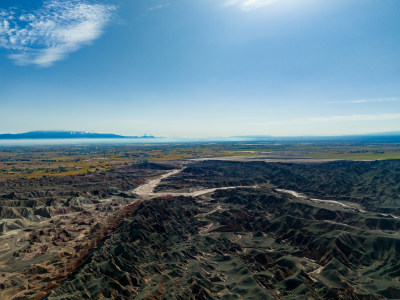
(65, 135)
(386, 137)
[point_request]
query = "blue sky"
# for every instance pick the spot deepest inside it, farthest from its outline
(200, 68)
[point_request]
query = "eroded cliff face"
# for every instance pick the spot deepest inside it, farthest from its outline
(49, 225)
(241, 243)
(266, 237)
(374, 184)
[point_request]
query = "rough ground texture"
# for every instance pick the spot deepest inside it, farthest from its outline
(258, 242)
(374, 184)
(252, 244)
(48, 225)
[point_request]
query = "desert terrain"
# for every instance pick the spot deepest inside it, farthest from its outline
(285, 226)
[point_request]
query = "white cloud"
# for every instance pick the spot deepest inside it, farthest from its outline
(248, 5)
(329, 119)
(393, 99)
(47, 35)
(157, 7)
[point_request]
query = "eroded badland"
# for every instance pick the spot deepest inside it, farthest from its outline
(204, 221)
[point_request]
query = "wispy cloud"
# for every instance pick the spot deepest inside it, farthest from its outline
(49, 34)
(248, 5)
(330, 119)
(393, 99)
(157, 7)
